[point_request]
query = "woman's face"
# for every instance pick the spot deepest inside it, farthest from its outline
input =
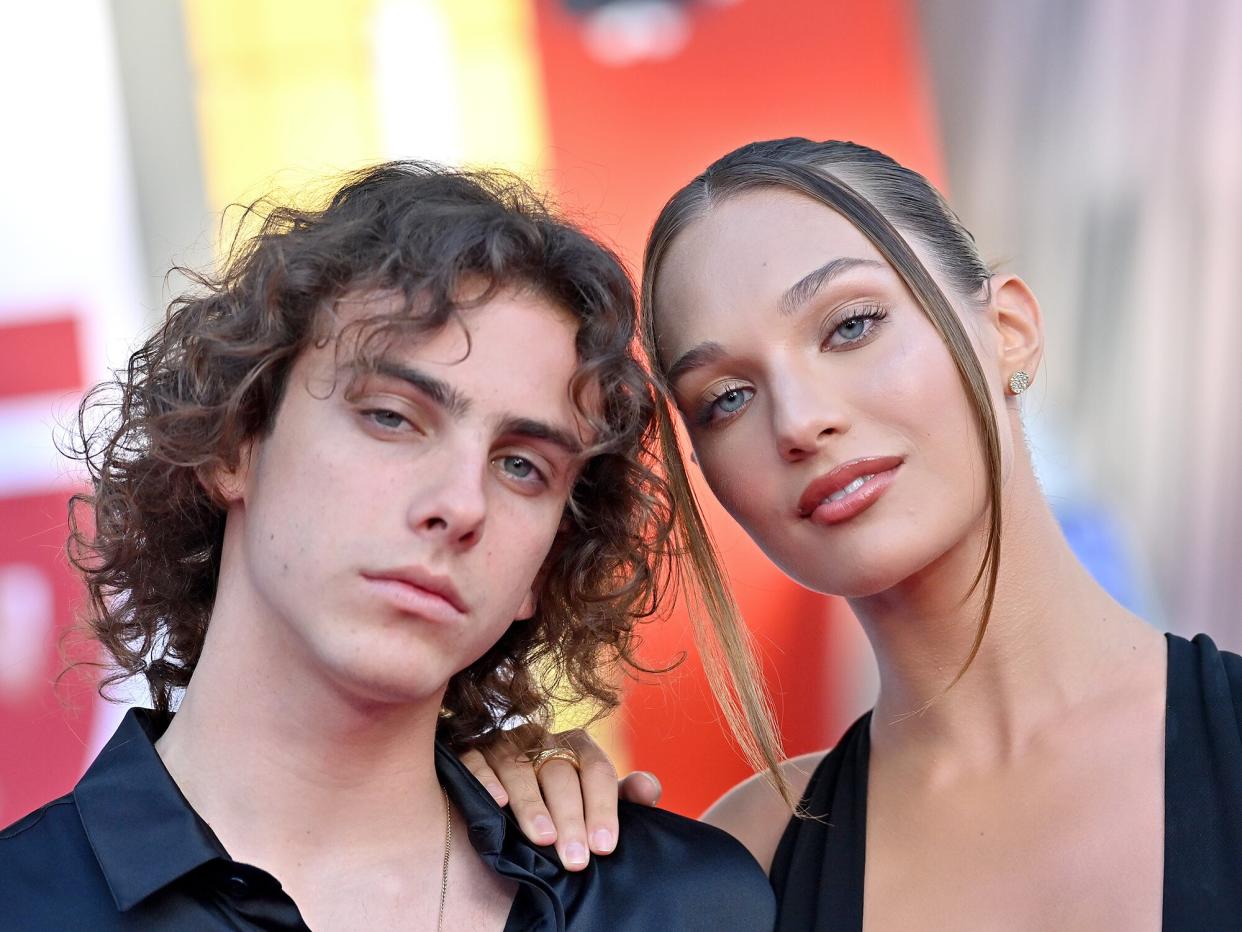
(825, 411)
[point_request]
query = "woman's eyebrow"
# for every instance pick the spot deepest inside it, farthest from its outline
(807, 286)
(796, 296)
(701, 355)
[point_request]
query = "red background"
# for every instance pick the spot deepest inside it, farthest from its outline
(624, 139)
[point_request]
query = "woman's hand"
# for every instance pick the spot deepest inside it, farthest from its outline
(575, 810)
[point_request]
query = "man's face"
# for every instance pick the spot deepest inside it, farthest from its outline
(393, 522)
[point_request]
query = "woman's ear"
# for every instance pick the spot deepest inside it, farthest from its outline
(1019, 326)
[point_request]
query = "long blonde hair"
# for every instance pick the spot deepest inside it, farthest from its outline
(817, 170)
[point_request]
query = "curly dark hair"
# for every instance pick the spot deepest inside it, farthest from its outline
(148, 537)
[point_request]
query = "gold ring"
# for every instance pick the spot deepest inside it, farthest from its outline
(538, 758)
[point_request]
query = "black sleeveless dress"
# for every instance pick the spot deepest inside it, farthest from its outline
(817, 871)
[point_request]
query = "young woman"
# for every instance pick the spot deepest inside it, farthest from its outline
(849, 373)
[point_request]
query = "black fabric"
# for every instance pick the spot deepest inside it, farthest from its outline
(1203, 788)
(125, 851)
(818, 868)
(817, 871)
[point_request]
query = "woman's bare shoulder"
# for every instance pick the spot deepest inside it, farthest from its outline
(753, 811)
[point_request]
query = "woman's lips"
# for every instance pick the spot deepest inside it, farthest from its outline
(848, 490)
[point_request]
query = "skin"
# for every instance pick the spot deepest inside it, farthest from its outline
(1030, 796)
(308, 656)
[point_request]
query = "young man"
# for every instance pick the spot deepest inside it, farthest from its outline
(354, 505)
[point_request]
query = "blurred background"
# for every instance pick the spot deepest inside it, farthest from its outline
(1092, 146)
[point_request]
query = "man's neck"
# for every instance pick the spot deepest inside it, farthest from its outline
(288, 767)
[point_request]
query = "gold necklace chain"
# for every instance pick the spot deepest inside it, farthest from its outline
(448, 847)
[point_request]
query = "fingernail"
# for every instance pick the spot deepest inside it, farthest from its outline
(497, 791)
(601, 840)
(544, 827)
(575, 854)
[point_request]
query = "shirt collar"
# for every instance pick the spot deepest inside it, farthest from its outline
(487, 822)
(144, 833)
(496, 836)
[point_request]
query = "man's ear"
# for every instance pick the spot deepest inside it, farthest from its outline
(227, 484)
(1019, 326)
(529, 604)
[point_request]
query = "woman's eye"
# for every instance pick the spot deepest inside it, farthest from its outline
(726, 404)
(731, 401)
(855, 328)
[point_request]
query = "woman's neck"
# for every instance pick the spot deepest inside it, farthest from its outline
(1051, 640)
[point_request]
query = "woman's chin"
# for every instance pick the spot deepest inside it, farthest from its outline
(847, 586)
(851, 579)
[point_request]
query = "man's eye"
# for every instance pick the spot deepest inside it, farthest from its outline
(519, 467)
(389, 420)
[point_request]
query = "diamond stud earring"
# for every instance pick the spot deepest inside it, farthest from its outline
(1019, 382)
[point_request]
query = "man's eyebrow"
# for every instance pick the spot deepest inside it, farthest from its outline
(533, 429)
(439, 391)
(808, 285)
(701, 355)
(457, 404)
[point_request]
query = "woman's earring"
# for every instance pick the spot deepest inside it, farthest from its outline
(1019, 382)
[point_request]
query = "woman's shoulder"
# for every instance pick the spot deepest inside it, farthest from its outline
(754, 813)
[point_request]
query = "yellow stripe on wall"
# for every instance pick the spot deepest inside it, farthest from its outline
(287, 89)
(284, 92)
(459, 82)
(499, 85)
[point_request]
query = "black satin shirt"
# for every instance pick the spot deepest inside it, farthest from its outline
(125, 851)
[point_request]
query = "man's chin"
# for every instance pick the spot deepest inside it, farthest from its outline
(376, 689)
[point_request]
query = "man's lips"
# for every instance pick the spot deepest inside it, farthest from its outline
(421, 583)
(837, 479)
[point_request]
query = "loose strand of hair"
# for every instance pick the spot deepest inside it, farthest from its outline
(724, 641)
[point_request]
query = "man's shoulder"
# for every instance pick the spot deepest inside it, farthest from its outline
(46, 866)
(650, 825)
(38, 833)
(694, 873)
